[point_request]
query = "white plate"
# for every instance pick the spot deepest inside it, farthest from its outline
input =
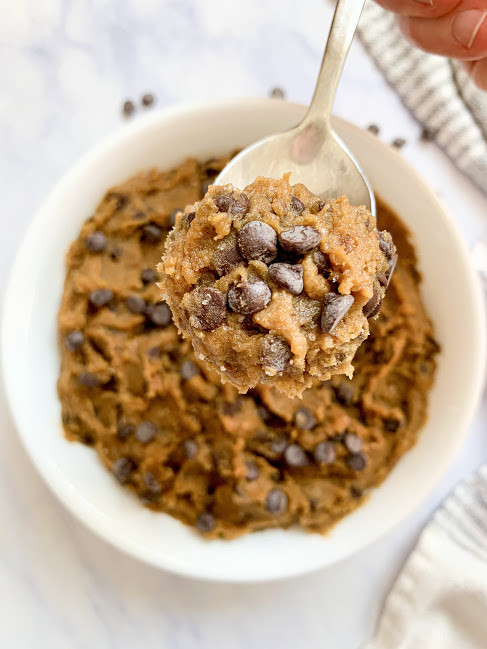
(31, 359)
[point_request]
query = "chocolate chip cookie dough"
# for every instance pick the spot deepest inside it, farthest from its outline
(167, 429)
(274, 285)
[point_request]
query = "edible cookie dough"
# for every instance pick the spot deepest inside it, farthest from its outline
(168, 430)
(274, 285)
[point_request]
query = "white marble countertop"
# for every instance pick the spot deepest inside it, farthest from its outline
(65, 67)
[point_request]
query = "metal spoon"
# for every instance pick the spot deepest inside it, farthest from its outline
(312, 151)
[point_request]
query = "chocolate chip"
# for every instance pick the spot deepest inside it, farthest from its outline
(128, 108)
(149, 276)
(190, 448)
(139, 215)
(249, 297)
(258, 240)
(357, 461)
(145, 432)
(89, 380)
(304, 419)
(152, 484)
(252, 471)
(125, 430)
(372, 307)
(295, 456)
(159, 314)
(385, 278)
(300, 239)
(74, 340)
(116, 253)
(205, 522)
(188, 369)
(122, 468)
(207, 309)
(96, 242)
(428, 135)
(356, 492)
(391, 425)
(230, 409)
(386, 244)
(147, 99)
(322, 262)
(172, 216)
(279, 445)
(224, 202)
(122, 200)
(135, 304)
(297, 206)
(374, 129)
(344, 394)
(190, 218)
(335, 308)
(276, 501)
(154, 352)
(352, 442)
(398, 143)
(275, 353)
(227, 257)
(151, 234)
(277, 93)
(241, 205)
(289, 276)
(324, 453)
(101, 297)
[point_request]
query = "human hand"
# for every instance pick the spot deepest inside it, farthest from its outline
(453, 28)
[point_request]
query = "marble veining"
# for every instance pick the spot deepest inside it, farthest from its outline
(65, 68)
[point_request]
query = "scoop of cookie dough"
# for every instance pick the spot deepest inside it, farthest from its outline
(274, 285)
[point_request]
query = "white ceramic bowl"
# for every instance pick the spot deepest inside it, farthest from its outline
(31, 360)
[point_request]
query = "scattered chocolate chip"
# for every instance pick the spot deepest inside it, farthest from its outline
(249, 297)
(227, 257)
(96, 242)
(398, 143)
(88, 439)
(386, 244)
(231, 408)
(116, 253)
(145, 432)
(385, 278)
(151, 234)
(322, 262)
(374, 129)
(252, 471)
(74, 340)
(324, 453)
(207, 309)
(295, 456)
(276, 501)
(278, 445)
(190, 448)
(152, 484)
(391, 425)
(190, 218)
(356, 492)
(372, 307)
(258, 240)
(205, 522)
(428, 135)
(277, 93)
(188, 369)
(300, 239)
(159, 314)
(154, 352)
(122, 468)
(149, 276)
(357, 461)
(147, 99)
(139, 215)
(241, 205)
(335, 308)
(304, 419)
(352, 442)
(128, 108)
(122, 200)
(297, 206)
(344, 394)
(172, 216)
(275, 353)
(224, 202)
(101, 297)
(125, 430)
(89, 380)
(289, 276)
(136, 304)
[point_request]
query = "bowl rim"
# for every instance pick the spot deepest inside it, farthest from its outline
(81, 509)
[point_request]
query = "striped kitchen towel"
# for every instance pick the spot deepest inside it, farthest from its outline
(439, 600)
(437, 91)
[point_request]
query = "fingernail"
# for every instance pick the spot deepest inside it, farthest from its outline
(465, 26)
(426, 2)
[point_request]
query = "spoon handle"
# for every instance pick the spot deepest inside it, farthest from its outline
(343, 27)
